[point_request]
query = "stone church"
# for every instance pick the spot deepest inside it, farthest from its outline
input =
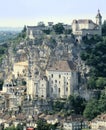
(83, 27)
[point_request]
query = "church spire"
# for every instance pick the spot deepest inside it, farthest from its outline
(98, 18)
(98, 14)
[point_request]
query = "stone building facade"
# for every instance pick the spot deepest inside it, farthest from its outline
(83, 27)
(62, 79)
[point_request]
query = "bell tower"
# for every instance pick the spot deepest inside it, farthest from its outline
(98, 18)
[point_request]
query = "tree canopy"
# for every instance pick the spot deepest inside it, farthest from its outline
(104, 28)
(95, 107)
(58, 28)
(94, 56)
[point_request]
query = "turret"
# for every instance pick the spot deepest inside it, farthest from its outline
(99, 18)
(74, 26)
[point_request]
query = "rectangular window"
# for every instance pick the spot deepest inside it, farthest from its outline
(52, 75)
(51, 90)
(59, 76)
(59, 90)
(66, 88)
(55, 81)
(52, 81)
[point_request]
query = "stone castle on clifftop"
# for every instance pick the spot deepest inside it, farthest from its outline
(83, 27)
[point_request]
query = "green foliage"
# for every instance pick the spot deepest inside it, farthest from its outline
(104, 28)
(77, 104)
(42, 125)
(96, 83)
(21, 35)
(91, 109)
(58, 28)
(11, 128)
(102, 102)
(95, 107)
(52, 43)
(101, 83)
(3, 49)
(94, 55)
(24, 29)
(41, 24)
(5, 36)
(68, 31)
(19, 127)
(47, 31)
(91, 83)
(58, 105)
(74, 104)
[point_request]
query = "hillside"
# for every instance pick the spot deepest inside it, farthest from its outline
(89, 56)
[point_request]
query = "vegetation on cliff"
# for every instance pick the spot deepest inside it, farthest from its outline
(94, 55)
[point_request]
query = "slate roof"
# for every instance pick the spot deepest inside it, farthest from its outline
(64, 66)
(83, 21)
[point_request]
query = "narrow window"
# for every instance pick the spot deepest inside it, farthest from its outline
(52, 90)
(66, 88)
(59, 76)
(55, 81)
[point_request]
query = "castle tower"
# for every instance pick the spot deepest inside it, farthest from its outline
(74, 26)
(99, 19)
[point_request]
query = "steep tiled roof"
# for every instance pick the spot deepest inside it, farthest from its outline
(21, 117)
(6, 117)
(83, 21)
(64, 66)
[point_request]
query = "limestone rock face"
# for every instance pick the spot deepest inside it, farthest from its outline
(31, 60)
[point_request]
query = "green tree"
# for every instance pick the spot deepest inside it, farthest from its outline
(91, 83)
(42, 125)
(76, 103)
(91, 109)
(104, 28)
(94, 55)
(101, 83)
(11, 128)
(47, 31)
(102, 102)
(58, 28)
(68, 31)
(58, 105)
(24, 29)
(19, 127)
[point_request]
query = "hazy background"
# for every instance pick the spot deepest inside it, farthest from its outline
(17, 13)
